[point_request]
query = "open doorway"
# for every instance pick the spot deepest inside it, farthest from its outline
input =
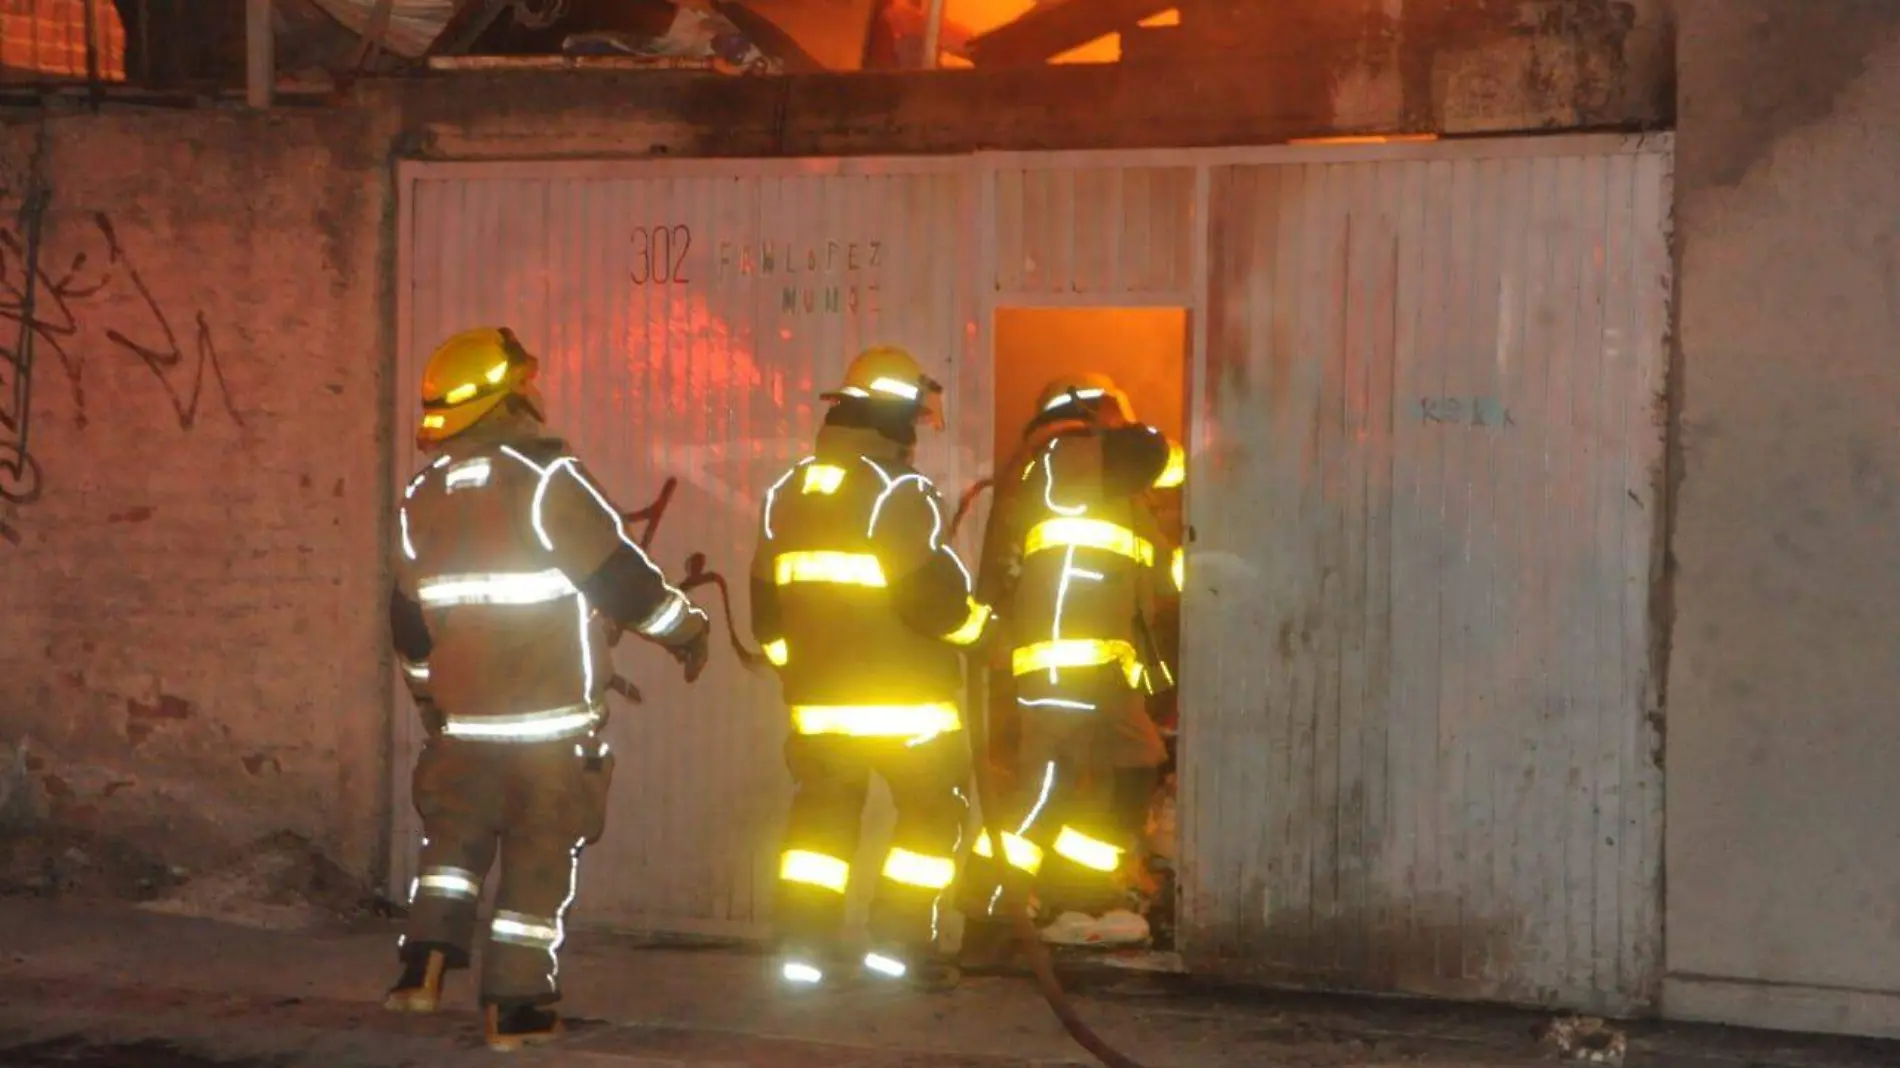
(1146, 351)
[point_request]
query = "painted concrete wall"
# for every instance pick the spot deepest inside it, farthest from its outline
(192, 482)
(1783, 860)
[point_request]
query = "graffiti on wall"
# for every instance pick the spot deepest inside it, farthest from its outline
(73, 304)
(697, 574)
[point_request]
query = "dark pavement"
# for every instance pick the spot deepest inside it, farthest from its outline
(108, 986)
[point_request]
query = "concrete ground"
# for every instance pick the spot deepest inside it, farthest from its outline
(108, 986)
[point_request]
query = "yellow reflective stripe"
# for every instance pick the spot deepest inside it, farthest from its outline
(916, 869)
(850, 569)
(877, 721)
(777, 652)
(822, 479)
(1177, 567)
(460, 393)
(1022, 852)
(1176, 472)
(972, 627)
(814, 869)
(1088, 852)
(1077, 653)
(1089, 534)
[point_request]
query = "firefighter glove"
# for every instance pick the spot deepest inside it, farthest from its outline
(692, 654)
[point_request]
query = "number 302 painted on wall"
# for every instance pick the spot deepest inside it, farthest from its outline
(659, 254)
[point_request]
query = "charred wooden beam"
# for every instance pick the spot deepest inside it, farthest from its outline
(1052, 29)
(469, 22)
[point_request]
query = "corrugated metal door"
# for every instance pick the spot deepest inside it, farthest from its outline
(1418, 755)
(686, 316)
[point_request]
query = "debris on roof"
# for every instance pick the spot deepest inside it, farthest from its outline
(696, 33)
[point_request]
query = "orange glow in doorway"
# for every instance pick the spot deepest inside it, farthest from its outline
(964, 19)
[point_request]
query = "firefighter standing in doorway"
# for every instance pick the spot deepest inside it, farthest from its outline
(865, 613)
(514, 576)
(1075, 562)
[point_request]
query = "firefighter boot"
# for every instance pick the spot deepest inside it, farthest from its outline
(921, 966)
(511, 1027)
(802, 967)
(932, 972)
(419, 988)
(989, 944)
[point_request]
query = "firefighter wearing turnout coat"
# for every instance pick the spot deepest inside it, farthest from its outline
(1075, 562)
(864, 611)
(514, 576)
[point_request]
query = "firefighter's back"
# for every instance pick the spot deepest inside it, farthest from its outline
(845, 640)
(513, 635)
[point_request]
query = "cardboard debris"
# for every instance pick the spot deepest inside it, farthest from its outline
(697, 32)
(1583, 1040)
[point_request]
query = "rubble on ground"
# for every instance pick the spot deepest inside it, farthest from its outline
(280, 883)
(1582, 1040)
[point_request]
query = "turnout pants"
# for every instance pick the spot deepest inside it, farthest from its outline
(831, 775)
(1086, 768)
(537, 805)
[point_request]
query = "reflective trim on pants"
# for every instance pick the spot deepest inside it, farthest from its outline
(814, 869)
(447, 882)
(547, 725)
(1021, 852)
(1089, 852)
(919, 870)
(521, 929)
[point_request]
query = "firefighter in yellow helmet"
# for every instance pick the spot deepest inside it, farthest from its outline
(865, 612)
(1076, 562)
(514, 575)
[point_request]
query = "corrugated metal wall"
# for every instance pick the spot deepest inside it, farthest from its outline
(1417, 751)
(686, 316)
(1067, 230)
(1422, 500)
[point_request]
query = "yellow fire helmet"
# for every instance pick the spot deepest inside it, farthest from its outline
(467, 376)
(1088, 393)
(886, 372)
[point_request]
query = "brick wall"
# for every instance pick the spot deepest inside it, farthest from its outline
(191, 540)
